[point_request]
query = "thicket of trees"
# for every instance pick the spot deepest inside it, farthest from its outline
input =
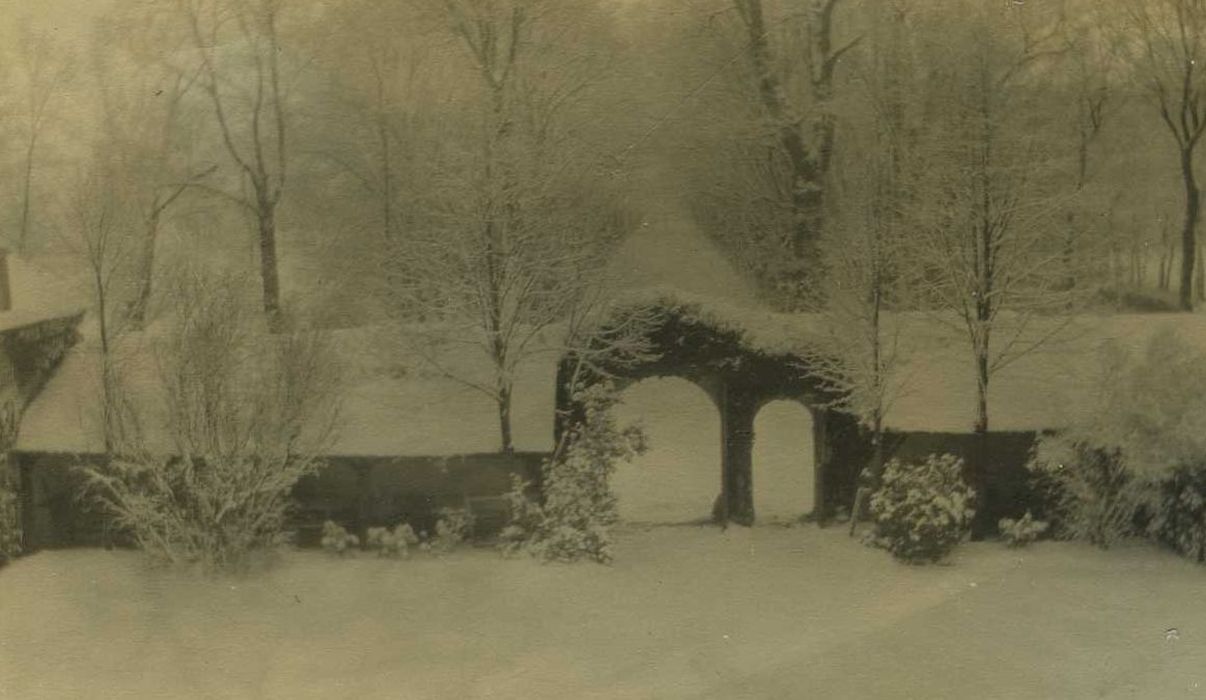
(468, 163)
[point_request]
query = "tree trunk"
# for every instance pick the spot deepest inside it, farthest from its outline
(1069, 252)
(138, 314)
(1168, 255)
(1162, 266)
(27, 192)
(387, 169)
(869, 478)
(504, 420)
(807, 188)
(268, 263)
(982, 376)
(1199, 276)
(1189, 231)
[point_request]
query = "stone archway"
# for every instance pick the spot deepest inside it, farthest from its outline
(741, 370)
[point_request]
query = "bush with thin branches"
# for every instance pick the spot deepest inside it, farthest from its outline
(246, 414)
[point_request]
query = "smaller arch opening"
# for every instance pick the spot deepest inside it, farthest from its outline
(784, 469)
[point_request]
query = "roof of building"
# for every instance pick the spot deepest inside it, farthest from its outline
(386, 408)
(41, 288)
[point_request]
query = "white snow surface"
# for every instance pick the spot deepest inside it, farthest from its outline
(684, 612)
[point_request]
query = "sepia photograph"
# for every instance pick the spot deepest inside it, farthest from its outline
(594, 349)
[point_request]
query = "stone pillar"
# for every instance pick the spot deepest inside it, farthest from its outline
(821, 454)
(738, 407)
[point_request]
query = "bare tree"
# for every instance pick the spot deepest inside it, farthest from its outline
(512, 242)
(100, 236)
(805, 133)
(1092, 57)
(100, 229)
(858, 352)
(982, 245)
(145, 127)
(1169, 42)
(239, 52)
(46, 66)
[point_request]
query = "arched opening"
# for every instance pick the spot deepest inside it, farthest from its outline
(784, 473)
(678, 478)
(740, 361)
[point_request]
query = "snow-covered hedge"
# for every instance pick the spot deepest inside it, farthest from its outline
(1136, 456)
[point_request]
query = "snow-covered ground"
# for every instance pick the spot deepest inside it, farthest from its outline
(684, 612)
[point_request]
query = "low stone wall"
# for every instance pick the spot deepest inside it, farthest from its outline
(363, 492)
(357, 492)
(1002, 481)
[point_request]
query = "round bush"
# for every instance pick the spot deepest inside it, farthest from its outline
(923, 510)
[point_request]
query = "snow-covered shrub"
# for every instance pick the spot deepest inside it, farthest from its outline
(1178, 512)
(922, 510)
(1090, 493)
(575, 518)
(336, 539)
(1112, 469)
(525, 520)
(453, 526)
(1023, 531)
(392, 542)
(202, 460)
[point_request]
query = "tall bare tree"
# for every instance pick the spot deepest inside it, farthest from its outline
(510, 243)
(145, 125)
(805, 133)
(45, 67)
(239, 52)
(983, 248)
(1169, 41)
(859, 353)
(100, 234)
(1092, 55)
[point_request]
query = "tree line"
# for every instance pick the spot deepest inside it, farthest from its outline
(470, 164)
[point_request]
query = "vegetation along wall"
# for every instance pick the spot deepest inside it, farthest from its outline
(357, 492)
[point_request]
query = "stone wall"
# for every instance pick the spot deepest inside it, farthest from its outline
(1001, 479)
(357, 492)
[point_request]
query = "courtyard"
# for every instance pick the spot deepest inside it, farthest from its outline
(685, 612)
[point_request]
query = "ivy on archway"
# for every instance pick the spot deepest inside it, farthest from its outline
(743, 360)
